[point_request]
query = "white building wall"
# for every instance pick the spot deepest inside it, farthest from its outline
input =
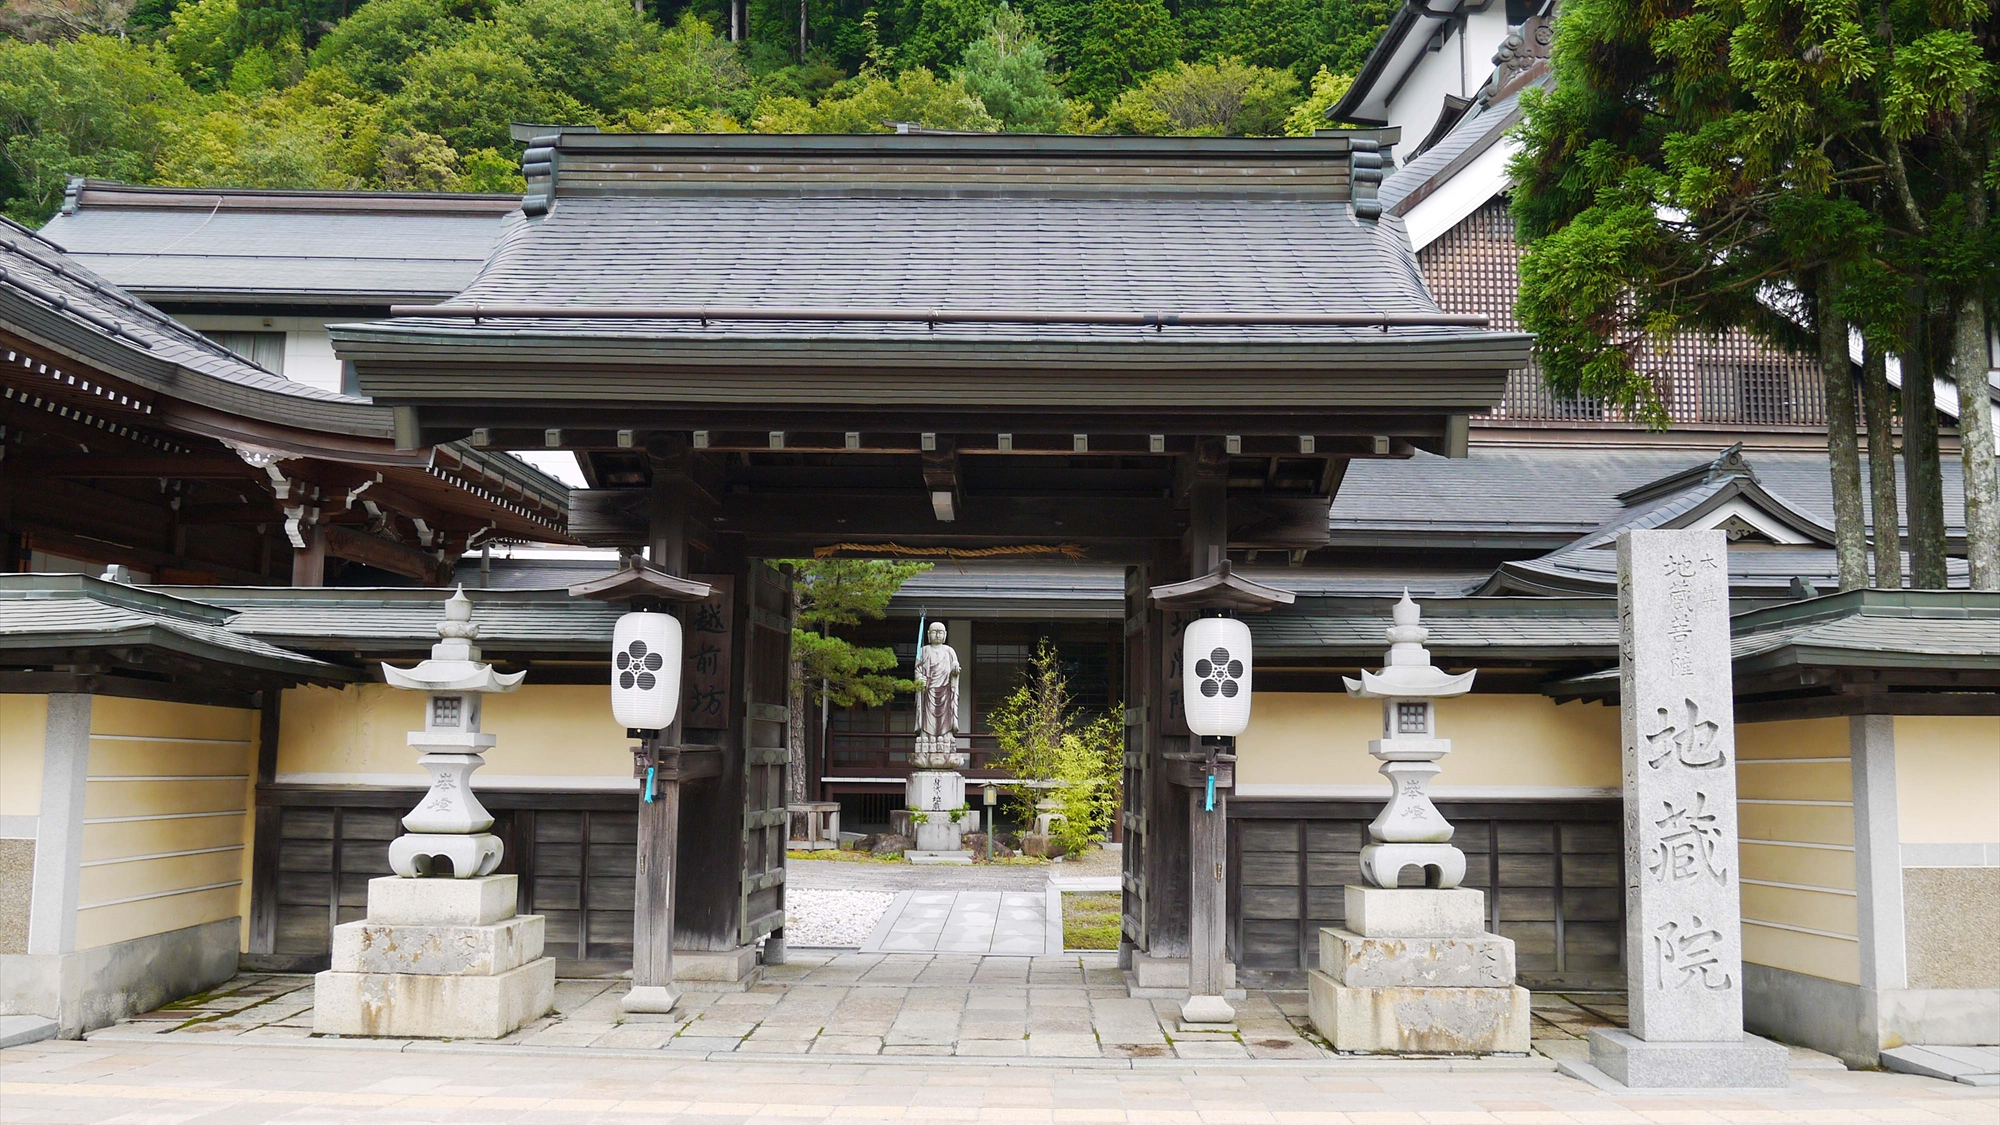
(1460, 67)
(309, 357)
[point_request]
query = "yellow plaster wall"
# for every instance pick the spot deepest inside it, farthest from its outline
(359, 733)
(1948, 779)
(1795, 811)
(166, 835)
(24, 723)
(1321, 738)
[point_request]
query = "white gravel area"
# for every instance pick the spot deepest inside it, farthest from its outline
(837, 918)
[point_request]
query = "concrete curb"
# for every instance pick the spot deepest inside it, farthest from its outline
(1347, 1065)
(16, 1031)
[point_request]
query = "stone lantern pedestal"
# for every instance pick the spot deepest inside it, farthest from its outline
(1414, 969)
(442, 953)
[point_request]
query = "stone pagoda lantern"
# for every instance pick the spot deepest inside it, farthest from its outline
(442, 952)
(450, 823)
(1410, 832)
(1414, 968)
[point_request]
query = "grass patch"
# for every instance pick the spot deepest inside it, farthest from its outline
(1017, 860)
(845, 855)
(1091, 920)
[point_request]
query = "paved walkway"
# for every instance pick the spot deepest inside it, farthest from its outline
(985, 923)
(1001, 1010)
(179, 1078)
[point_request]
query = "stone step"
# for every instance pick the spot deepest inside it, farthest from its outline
(481, 951)
(396, 901)
(1440, 1021)
(409, 1006)
(1407, 912)
(1486, 961)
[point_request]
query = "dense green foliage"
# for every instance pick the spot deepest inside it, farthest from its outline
(1797, 168)
(419, 94)
(1045, 737)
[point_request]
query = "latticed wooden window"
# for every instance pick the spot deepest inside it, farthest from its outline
(1730, 378)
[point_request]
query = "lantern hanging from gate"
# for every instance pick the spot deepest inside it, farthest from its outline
(1215, 676)
(646, 670)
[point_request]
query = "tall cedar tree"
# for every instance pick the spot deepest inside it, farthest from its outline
(1707, 164)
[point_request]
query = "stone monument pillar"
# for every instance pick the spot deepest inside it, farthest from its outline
(1415, 969)
(1683, 910)
(441, 954)
(936, 790)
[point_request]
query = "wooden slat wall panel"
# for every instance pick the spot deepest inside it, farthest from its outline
(576, 869)
(1552, 873)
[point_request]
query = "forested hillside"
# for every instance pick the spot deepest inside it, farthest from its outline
(418, 94)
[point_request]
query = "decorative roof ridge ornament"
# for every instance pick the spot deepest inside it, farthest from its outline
(1407, 671)
(454, 664)
(1221, 588)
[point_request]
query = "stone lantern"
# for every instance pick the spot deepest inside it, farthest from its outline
(450, 823)
(1414, 969)
(442, 953)
(1410, 832)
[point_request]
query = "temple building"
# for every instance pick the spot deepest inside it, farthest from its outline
(1070, 371)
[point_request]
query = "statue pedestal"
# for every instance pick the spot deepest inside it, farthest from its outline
(436, 959)
(936, 799)
(1418, 973)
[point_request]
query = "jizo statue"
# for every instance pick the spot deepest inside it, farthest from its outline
(937, 685)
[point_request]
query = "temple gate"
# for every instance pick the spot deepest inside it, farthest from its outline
(1158, 352)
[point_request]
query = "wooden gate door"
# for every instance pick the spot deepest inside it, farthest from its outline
(766, 730)
(1137, 665)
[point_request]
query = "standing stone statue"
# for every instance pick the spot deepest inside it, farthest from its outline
(937, 701)
(936, 790)
(1684, 931)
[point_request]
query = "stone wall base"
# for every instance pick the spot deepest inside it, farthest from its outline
(1856, 1024)
(1440, 1021)
(95, 988)
(731, 970)
(416, 1006)
(1166, 978)
(1752, 1063)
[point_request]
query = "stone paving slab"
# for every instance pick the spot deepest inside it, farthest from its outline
(172, 1078)
(978, 923)
(845, 1003)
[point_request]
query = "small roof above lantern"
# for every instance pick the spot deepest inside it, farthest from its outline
(640, 582)
(454, 664)
(1221, 588)
(1409, 673)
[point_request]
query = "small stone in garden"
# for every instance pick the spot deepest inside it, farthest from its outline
(889, 844)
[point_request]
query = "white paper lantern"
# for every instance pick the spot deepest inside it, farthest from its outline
(1215, 676)
(646, 670)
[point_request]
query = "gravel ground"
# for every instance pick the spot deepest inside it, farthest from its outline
(834, 904)
(822, 874)
(831, 918)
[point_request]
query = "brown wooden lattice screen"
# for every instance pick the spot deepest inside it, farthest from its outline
(1732, 378)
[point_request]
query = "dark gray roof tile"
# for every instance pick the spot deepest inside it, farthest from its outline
(341, 248)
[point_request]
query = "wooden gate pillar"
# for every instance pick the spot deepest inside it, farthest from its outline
(662, 764)
(1188, 768)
